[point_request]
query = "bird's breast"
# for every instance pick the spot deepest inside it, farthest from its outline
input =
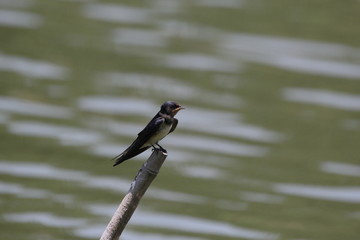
(160, 134)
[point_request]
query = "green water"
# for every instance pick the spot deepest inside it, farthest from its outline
(267, 148)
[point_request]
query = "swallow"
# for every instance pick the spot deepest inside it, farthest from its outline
(160, 125)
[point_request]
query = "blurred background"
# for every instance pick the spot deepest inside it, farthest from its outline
(267, 148)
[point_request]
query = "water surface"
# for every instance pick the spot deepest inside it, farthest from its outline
(267, 147)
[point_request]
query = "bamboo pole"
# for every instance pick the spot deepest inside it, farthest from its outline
(142, 181)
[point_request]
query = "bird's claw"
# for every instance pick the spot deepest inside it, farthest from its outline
(160, 148)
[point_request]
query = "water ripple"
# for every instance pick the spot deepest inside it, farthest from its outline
(32, 108)
(340, 194)
(32, 68)
(69, 136)
(186, 223)
(44, 218)
(293, 54)
(344, 101)
(116, 13)
(341, 168)
(12, 18)
(216, 146)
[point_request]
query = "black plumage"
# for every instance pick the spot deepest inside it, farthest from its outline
(160, 125)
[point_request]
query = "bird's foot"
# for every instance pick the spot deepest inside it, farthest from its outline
(161, 148)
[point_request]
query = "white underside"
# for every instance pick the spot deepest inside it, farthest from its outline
(160, 135)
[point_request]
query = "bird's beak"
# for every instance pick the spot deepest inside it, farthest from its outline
(178, 109)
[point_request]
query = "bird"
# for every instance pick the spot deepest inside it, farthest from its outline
(159, 126)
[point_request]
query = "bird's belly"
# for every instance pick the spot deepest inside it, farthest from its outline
(163, 131)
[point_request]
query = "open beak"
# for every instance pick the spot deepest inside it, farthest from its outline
(178, 109)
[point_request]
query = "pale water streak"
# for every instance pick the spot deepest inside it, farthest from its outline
(138, 37)
(231, 205)
(221, 4)
(319, 67)
(261, 197)
(281, 46)
(196, 225)
(32, 68)
(227, 124)
(115, 127)
(173, 196)
(200, 62)
(4, 117)
(41, 171)
(148, 84)
(45, 218)
(21, 191)
(293, 54)
(20, 19)
(330, 193)
(117, 13)
(110, 150)
(16, 3)
(185, 223)
(117, 105)
(68, 136)
(94, 231)
(203, 172)
(354, 215)
(345, 169)
(44, 171)
(27, 107)
(188, 30)
(350, 124)
(215, 145)
(149, 236)
(337, 100)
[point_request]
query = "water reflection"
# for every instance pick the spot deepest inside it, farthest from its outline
(186, 51)
(44, 171)
(331, 99)
(261, 197)
(32, 68)
(94, 231)
(208, 144)
(227, 124)
(221, 4)
(19, 19)
(172, 88)
(341, 194)
(70, 136)
(292, 54)
(116, 105)
(144, 38)
(200, 62)
(21, 191)
(203, 172)
(187, 224)
(16, 3)
(116, 13)
(341, 168)
(45, 218)
(32, 108)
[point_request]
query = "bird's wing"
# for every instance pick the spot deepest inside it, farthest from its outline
(143, 136)
(151, 128)
(174, 124)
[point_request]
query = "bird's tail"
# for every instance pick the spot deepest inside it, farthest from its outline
(118, 159)
(128, 154)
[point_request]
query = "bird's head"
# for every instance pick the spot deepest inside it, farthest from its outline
(170, 108)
